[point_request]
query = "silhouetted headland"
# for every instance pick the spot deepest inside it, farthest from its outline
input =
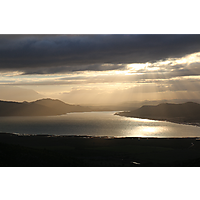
(186, 113)
(42, 107)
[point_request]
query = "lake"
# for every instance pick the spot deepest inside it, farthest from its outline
(96, 124)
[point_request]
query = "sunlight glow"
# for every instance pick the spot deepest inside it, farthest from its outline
(153, 68)
(137, 66)
(195, 57)
(150, 129)
(144, 131)
(115, 82)
(191, 77)
(11, 74)
(188, 59)
(143, 120)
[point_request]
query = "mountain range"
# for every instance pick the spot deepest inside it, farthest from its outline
(42, 107)
(185, 112)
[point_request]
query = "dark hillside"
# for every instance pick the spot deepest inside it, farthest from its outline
(185, 112)
(170, 110)
(60, 106)
(43, 107)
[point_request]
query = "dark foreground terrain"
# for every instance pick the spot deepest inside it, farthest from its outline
(74, 151)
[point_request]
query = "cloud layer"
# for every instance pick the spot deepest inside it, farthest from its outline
(49, 54)
(99, 68)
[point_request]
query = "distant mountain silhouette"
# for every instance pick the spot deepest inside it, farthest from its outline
(186, 112)
(42, 107)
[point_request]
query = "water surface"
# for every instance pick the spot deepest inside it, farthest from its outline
(96, 124)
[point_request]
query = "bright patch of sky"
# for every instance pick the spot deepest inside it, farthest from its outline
(158, 79)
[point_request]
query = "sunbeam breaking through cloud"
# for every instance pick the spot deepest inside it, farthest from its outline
(100, 68)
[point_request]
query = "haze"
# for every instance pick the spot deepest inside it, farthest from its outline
(99, 69)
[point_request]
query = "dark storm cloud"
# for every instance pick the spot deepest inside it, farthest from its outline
(60, 53)
(72, 68)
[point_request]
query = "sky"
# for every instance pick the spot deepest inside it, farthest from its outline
(99, 69)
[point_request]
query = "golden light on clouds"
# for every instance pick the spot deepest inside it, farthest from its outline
(136, 66)
(107, 71)
(195, 57)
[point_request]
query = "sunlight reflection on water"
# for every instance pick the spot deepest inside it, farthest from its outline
(143, 131)
(96, 124)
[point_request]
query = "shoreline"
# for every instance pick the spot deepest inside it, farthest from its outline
(197, 124)
(93, 137)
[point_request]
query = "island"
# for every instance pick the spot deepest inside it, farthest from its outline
(185, 113)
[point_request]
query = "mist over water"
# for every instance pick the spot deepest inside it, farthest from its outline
(96, 124)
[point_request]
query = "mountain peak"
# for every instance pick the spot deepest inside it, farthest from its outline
(41, 107)
(51, 102)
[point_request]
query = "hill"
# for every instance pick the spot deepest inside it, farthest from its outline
(185, 112)
(42, 107)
